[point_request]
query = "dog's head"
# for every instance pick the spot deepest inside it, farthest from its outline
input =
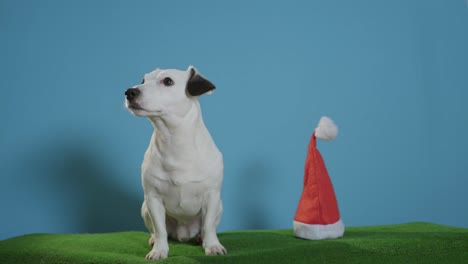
(167, 92)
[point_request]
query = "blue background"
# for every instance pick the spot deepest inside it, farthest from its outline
(392, 74)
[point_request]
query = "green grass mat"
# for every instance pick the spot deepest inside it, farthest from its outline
(406, 243)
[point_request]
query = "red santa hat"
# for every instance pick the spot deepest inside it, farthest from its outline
(317, 216)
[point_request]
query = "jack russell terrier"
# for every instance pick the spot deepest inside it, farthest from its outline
(182, 170)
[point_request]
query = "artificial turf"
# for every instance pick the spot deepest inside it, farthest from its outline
(405, 243)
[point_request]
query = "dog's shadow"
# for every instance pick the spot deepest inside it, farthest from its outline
(254, 189)
(88, 190)
(92, 197)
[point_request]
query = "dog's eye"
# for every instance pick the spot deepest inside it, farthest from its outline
(143, 81)
(168, 81)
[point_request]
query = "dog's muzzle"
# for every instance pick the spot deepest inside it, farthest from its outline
(132, 93)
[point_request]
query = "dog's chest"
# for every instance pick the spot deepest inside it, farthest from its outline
(184, 164)
(182, 200)
(180, 185)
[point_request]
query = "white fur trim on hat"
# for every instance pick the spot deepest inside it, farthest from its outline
(326, 129)
(317, 232)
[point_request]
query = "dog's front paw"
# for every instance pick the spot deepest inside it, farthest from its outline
(151, 241)
(156, 254)
(216, 249)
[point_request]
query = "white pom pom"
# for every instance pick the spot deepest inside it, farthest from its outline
(326, 129)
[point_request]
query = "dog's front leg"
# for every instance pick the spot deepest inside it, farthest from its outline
(158, 216)
(211, 214)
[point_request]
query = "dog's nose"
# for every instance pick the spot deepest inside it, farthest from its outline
(132, 93)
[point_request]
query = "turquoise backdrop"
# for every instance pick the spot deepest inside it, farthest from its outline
(392, 74)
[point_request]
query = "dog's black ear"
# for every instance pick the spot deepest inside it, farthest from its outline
(197, 84)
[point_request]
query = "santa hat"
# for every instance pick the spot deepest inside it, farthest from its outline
(317, 215)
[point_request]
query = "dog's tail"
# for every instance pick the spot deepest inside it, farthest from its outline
(326, 129)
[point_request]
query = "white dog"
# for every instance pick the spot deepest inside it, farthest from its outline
(182, 171)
